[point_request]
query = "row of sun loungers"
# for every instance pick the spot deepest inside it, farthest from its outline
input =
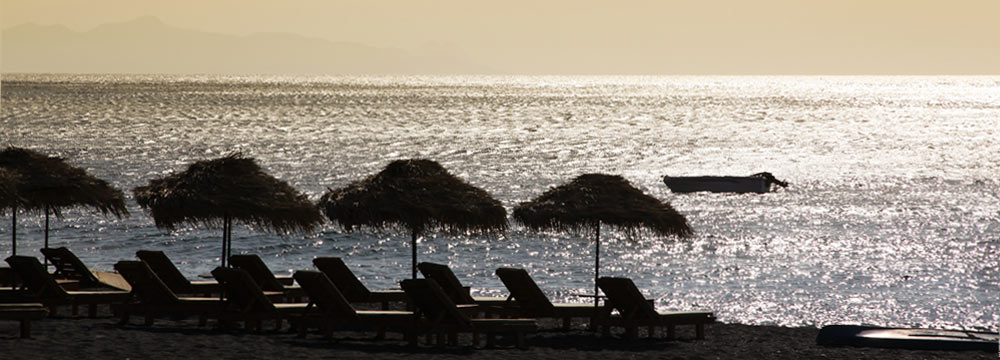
(438, 305)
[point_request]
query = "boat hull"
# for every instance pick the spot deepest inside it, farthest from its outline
(923, 339)
(717, 184)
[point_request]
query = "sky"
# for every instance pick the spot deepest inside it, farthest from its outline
(601, 37)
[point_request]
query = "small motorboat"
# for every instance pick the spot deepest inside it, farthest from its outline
(757, 183)
(923, 339)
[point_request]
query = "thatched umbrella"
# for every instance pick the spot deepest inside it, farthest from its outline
(48, 184)
(215, 192)
(419, 195)
(592, 199)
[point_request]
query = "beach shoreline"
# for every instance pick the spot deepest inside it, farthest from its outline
(73, 337)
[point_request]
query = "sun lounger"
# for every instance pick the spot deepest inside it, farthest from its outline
(532, 302)
(247, 302)
(635, 310)
(172, 277)
(353, 289)
(23, 313)
(441, 316)
(68, 266)
(265, 279)
(150, 296)
(42, 287)
(458, 293)
(332, 309)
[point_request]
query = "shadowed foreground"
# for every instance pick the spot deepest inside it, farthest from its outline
(103, 338)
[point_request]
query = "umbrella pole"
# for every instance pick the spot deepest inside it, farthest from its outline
(413, 249)
(13, 230)
(46, 263)
(597, 260)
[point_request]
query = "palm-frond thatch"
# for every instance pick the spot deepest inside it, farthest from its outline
(597, 198)
(8, 189)
(594, 199)
(45, 182)
(233, 186)
(419, 195)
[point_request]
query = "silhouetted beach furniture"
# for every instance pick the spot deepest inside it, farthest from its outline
(757, 183)
(441, 316)
(635, 310)
(419, 195)
(23, 313)
(264, 278)
(68, 266)
(351, 287)
(43, 288)
(43, 183)
(161, 265)
(532, 302)
(453, 287)
(590, 200)
(245, 301)
(223, 190)
(329, 309)
(151, 296)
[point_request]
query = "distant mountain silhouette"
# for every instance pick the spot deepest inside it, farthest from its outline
(147, 45)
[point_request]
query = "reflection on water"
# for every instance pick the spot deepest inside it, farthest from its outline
(892, 217)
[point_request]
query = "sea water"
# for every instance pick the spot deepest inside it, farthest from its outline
(892, 216)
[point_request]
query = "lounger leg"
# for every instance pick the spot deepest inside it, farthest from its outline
(381, 333)
(521, 344)
(453, 338)
(202, 320)
(123, 316)
(651, 331)
(475, 339)
(76, 309)
(700, 331)
(92, 310)
(52, 310)
(25, 328)
(278, 323)
(632, 332)
(149, 318)
(429, 338)
(328, 331)
(566, 322)
(491, 339)
(440, 339)
(671, 332)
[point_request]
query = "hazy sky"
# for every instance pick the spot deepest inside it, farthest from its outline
(749, 37)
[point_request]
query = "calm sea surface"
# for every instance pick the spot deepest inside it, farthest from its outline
(892, 216)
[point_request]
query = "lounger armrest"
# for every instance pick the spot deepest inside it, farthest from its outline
(285, 280)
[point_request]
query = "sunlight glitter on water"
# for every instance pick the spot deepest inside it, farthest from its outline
(891, 219)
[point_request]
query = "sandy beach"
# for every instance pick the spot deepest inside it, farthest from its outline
(68, 337)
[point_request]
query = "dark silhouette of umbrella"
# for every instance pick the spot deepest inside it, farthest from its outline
(419, 195)
(215, 192)
(592, 199)
(48, 184)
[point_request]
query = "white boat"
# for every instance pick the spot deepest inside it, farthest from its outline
(757, 183)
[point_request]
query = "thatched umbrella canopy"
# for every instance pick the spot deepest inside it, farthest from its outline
(215, 192)
(8, 189)
(592, 199)
(419, 195)
(48, 184)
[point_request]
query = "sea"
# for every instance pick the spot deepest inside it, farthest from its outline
(891, 218)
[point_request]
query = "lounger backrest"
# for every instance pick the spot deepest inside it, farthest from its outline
(525, 291)
(242, 292)
(68, 266)
(164, 269)
(342, 276)
(447, 280)
(145, 283)
(626, 297)
(258, 271)
(35, 278)
(324, 294)
(435, 305)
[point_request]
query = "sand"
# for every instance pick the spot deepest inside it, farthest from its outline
(69, 337)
